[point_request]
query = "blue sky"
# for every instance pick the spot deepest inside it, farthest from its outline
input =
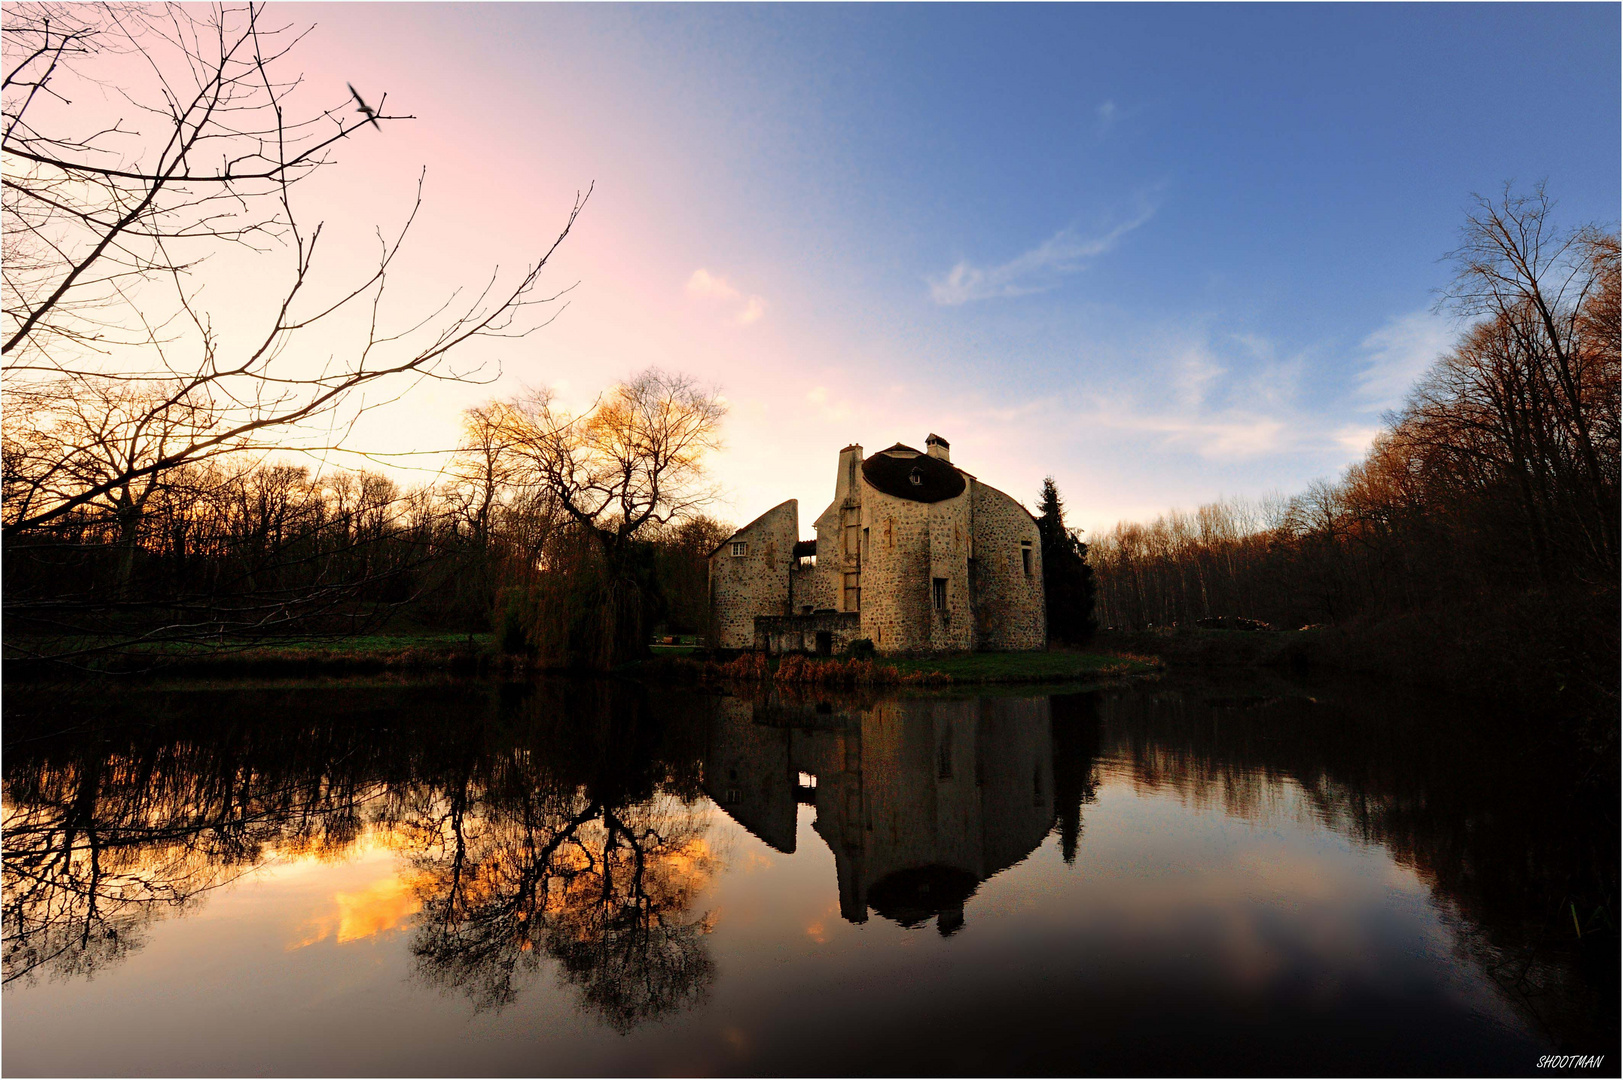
(1163, 252)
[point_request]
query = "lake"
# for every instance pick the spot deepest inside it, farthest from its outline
(589, 877)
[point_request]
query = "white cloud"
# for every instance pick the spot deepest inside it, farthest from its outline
(1225, 435)
(1225, 399)
(1107, 114)
(704, 285)
(1356, 438)
(1398, 353)
(1035, 271)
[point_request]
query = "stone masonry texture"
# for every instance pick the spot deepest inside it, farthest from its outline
(954, 575)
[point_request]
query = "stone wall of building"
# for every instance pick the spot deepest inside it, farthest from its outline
(757, 581)
(952, 627)
(1009, 611)
(811, 590)
(880, 556)
(896, 573)
(779, 634)
(909, 546)
(837, 557)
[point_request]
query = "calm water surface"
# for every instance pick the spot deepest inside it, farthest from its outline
(588, 878)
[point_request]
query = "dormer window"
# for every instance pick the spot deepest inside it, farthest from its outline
(916, 478)
(740, 548)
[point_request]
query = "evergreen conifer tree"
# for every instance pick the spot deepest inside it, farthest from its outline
(1067, 577)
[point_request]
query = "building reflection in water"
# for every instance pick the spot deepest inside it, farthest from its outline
(566, 826)
(920, 800)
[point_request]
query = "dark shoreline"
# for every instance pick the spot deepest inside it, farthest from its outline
(473, 658)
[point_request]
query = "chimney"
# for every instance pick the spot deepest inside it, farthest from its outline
(845, 484)
(937, 447)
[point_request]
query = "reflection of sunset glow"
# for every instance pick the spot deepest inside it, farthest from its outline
(381, 907)
(816, 932)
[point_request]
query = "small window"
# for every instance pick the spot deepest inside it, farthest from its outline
(916, 478)
(1025, 556)
(740, 548)
(938, 593)
(853, 592)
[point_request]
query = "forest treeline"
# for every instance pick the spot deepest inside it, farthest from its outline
(541, 523)
(1477, 540)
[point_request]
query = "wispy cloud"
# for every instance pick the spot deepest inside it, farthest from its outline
(1399, 353)
(1226, 397)
(1107, 113)
(1035, 271)
(1225, 434)
(1194, 376)
(704, 285)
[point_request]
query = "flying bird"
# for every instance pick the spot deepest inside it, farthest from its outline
(371, 114)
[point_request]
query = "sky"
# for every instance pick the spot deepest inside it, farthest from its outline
(1163, 253)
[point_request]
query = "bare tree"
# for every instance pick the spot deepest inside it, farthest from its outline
(634, 460)
(1547, 347)
(153, 158)
(110, 219)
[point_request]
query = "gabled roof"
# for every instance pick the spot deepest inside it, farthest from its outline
(747, 528)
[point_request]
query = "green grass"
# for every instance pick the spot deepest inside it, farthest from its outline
(1056, 666)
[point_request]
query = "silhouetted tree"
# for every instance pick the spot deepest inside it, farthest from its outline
(1067, 577)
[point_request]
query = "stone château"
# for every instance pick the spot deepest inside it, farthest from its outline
(913, 554)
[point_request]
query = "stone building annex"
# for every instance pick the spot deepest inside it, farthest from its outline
(913, 554)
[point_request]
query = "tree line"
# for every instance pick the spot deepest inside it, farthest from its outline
(1485, 514)
(573, 536)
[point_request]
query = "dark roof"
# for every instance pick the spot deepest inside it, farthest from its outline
(805, 549)
(905, 473)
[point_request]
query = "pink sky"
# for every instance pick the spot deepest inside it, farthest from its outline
(1160, 276)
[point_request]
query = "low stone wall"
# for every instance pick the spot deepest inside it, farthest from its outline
(779, 634)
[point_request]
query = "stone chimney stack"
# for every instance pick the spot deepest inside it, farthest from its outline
(845, 484)
(937, 447)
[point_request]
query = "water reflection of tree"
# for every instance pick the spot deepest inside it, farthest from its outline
(1485, 812)
(541, 825)
(103, 840)
(592, 857)
(606, 892)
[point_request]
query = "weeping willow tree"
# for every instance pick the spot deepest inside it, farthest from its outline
(616, 473)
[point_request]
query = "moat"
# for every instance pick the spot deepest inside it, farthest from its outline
(590, 877)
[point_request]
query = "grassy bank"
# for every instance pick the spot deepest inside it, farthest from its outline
(452, 653)
(1058, 665)
(478, 654)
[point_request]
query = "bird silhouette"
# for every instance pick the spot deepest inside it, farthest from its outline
(371, 114)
